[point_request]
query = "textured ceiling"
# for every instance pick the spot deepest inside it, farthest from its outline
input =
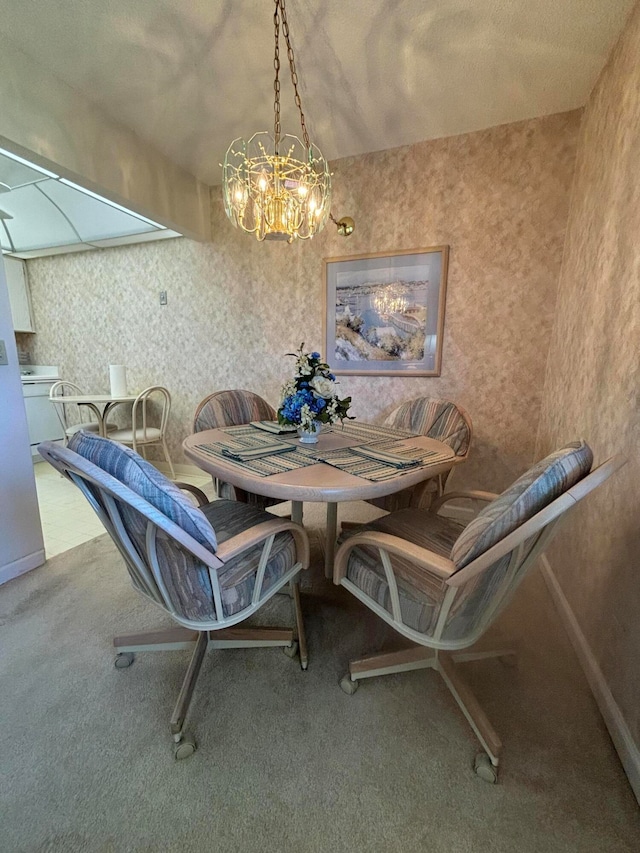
(188, 76)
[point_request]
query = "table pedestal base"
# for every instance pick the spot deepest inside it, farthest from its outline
(332, 531)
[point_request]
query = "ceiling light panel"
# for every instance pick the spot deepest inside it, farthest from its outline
(93, 218)
(15, 174)
(36, 223)
(110, 203)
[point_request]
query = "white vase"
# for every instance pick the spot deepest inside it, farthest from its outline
(310, 436)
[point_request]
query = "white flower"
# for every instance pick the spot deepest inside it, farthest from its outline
(288, 389)
(331, 411)
(323, 387)
(303, 368)
(307, 417)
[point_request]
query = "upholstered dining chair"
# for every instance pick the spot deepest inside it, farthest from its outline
(230, 408)
(71, 416)
(439, 419)
(233, 408)
(148, 427)
(209, 567)
(442, 584)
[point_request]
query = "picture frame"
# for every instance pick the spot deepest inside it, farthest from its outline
(384, 312)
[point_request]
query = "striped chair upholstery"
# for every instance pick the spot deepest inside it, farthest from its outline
(531, 492)
(237, 579)
(229, 408)
(232, 408)
(187, 579)
(541, 484)
(421, 595)
(439, 419)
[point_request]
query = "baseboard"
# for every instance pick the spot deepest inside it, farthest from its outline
(24, 564)
(621, 736)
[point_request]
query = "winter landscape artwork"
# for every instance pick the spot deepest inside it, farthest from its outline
(385, 312)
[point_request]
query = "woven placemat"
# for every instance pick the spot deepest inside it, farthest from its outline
(350, 461)
(370, 432)
(263, 467)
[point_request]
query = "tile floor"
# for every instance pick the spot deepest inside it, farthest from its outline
(67, 519)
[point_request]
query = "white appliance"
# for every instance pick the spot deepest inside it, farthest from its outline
(42, 419)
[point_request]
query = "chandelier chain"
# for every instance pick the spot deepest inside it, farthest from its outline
(292, 68)
(276, 82)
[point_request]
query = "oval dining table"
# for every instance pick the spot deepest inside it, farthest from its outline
(319, 482)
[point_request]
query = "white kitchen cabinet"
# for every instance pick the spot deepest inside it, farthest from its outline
(19, 298)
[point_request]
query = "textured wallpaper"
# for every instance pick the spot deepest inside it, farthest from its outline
(498, 197)
(593, 378)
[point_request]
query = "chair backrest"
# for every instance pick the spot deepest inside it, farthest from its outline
(440, 419)
(154, 401)
(230, 408)
(496, 550)
(167, 543)
(69, 414)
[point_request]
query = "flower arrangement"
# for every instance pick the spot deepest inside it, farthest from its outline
(311, 395)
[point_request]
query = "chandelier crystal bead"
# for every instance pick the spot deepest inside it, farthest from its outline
(277, 187)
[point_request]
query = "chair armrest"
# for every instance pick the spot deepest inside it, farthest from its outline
(472, 495)
(433, 563)
(199, 494)
(255, 535)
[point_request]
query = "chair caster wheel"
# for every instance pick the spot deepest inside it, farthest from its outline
(348, 686)
(292, 650)
(184, 749)
(485, 769)
(124, 660)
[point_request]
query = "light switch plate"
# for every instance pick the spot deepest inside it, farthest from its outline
(3, 353)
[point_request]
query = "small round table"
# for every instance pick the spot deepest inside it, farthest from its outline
(100, 405)
(319, 482)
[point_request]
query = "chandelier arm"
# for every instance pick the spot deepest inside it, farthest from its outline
(294, 74)
(276, 82)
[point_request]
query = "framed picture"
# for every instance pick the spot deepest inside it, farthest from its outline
(384, 313)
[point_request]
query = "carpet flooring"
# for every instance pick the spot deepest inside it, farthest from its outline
(286, 762)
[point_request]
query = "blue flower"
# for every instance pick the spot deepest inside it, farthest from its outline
(315, 355)
(332, 377)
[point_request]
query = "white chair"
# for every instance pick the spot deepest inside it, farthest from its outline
(72, 417)
(142, 434)
(208, 568)
(441, 584)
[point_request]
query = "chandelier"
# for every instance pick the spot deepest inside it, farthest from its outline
(279, 187)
